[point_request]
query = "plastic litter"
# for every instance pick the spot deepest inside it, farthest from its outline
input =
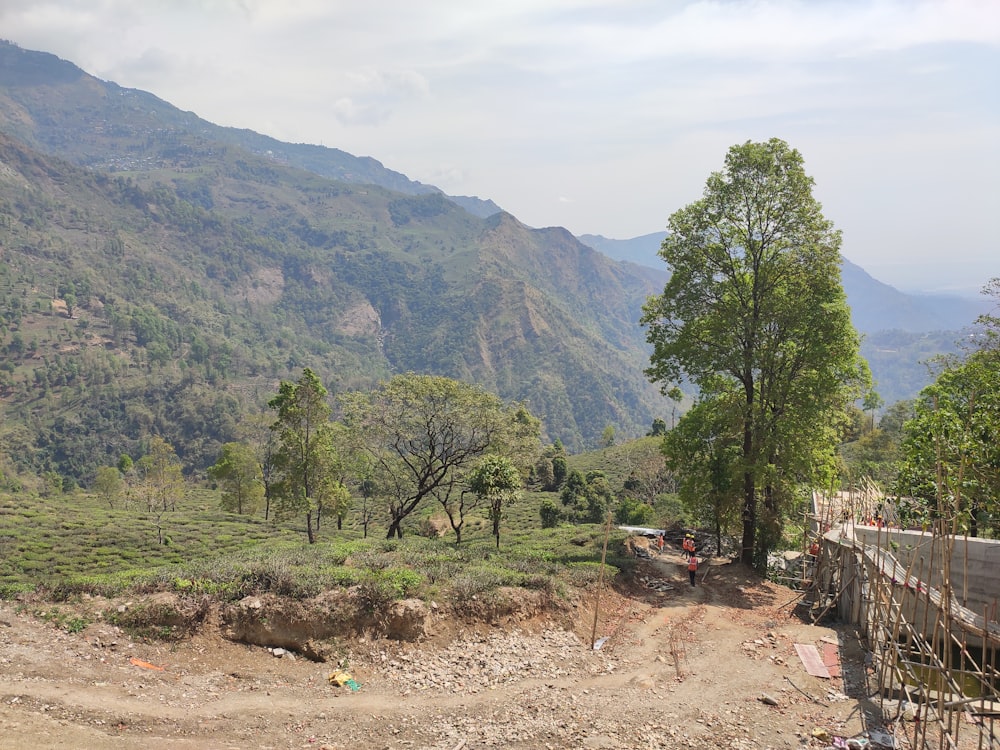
(344, 679)
(145, 664)
(882, 739)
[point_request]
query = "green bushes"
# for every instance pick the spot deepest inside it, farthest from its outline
(380, 588)
(84, 548)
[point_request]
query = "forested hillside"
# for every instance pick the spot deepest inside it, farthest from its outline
(171, 295)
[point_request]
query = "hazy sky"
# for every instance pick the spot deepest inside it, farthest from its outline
(601, 116)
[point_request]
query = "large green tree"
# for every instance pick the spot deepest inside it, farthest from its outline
(303, 457)
(422, 432)
(951, 452)
(755, 315)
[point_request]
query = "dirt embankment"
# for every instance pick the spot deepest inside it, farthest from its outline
(680, 667)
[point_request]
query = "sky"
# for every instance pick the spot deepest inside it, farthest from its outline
(601, 116)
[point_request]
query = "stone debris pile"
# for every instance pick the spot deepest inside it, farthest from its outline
(480, 662)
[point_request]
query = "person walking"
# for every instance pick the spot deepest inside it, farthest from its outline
(688, 544)
(692, 566)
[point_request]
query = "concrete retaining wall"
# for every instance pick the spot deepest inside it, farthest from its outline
(975, 563)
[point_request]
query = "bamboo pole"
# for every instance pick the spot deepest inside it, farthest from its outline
(600, 582)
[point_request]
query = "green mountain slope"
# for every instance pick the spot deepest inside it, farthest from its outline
(57, 108)
(168, 297)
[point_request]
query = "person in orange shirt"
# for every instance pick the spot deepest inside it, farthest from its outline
(689, 544)
(692, 566)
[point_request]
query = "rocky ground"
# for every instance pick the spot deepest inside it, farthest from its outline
(708, 667)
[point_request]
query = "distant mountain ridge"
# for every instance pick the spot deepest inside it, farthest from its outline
(875, 306)
(111, 146)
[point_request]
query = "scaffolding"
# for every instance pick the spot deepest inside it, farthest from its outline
(933, 661)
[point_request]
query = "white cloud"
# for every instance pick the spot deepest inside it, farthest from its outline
(625, 105)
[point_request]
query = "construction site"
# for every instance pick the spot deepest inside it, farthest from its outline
(924, 601)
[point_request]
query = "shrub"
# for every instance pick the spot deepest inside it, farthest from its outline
(380, 588)
(550, 514)
(634, 513)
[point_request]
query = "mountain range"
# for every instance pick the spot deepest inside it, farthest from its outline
(160, 274)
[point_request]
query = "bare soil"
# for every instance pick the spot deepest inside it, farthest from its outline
(681, 667)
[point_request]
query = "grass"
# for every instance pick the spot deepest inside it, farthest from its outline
(66, 546)
(618, 460)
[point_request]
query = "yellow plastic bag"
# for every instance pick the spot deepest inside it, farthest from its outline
(340, 678)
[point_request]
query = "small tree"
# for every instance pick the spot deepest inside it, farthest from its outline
(599, 497)
(367, 509)
(560, 470)
(160, 475)
(423, 432)
(238, 472)
(549, 513)
(256, 430)
(127, 469)
(332, 496)
(951, 456)
(542, 474)
(303, 457)
(608, 436)
(53, 483)
(872, 403)
(497, 481)
(574, 496)
(108, 484)
(632, 512)
(704, 452)
(457, 502)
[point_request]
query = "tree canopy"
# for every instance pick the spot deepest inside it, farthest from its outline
(239, 475)
(421, 432)
(951, 456)
(304, 459)
(754, 314)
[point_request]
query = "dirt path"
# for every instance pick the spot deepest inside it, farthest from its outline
(681, 666)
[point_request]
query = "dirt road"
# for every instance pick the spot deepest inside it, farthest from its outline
(682, 667)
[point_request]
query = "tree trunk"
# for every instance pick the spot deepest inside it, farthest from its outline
(749, 519)
(749, 484)
(718, 534)
(309, 527)
(497, 510)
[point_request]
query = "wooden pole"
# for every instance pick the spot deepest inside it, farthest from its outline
(600, 581)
